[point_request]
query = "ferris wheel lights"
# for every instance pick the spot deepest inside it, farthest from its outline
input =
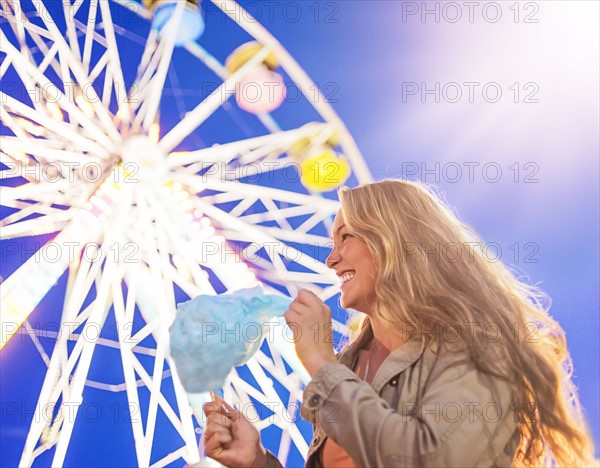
(154, 133)
(324, 170)
(30, 127)
(123, 114)
(191, 25)
(260, 91)
(209, 231)
(180, 264)
(18, 156)
(85, 106)
(10, 320)
(55, 111)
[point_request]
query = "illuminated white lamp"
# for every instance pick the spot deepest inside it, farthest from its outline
(143, 154)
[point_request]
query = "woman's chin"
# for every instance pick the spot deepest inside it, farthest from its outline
(345, 302)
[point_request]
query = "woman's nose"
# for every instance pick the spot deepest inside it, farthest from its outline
(333, 258)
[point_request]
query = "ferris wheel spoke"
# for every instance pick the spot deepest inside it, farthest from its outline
(281, 213)
(169, 35)
(131, 365)
(247, 150)
(19, 67)
(70, 10)
(23, 290)
(276, 250)
(37, 148)
(197, 184)
(76, 67)
(9, 13)
(124, 315)
(29, 209)
(186, 259)
(111, 270)
(207, 58)
(100, 65)
(96, 319)
(34, 227)
(59, 128)
(146, 69)
(267, 396)
(13, 125)
(20, 24)
(153, 248)
(166, 304)
(89, 35)
(118, 81)
(315, 210)
(17, 21)
(33, 191)
(295, 236)
(62, 363)
(55, 383)
(202, 246)
(212, 102)
(6, 63)
(75, 198)
(50, 59)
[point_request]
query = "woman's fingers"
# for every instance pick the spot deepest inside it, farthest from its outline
(219, 441)
(216, 422)
(229, 437)
(222, 408)
(308, 298)
(213, 430)
(307, 301)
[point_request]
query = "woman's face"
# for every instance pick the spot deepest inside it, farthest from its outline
(355, 266)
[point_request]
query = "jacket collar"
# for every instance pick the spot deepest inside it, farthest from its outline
(398, 360)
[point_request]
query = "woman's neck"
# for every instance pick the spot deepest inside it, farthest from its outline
(382, 333)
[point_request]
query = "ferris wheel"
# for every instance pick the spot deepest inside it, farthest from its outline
(151, 187)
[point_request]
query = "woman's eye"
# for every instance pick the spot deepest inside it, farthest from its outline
(345, 236)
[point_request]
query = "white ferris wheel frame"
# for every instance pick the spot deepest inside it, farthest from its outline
(104, 213)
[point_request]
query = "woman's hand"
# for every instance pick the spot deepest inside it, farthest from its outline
(230, 438)
(310, 321)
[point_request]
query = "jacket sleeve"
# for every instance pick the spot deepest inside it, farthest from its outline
(458, 421)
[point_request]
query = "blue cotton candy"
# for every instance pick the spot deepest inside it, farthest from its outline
(213, 334)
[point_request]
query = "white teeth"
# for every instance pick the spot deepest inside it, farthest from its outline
(346, 277)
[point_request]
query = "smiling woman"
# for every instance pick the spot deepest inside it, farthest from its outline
(440, 374)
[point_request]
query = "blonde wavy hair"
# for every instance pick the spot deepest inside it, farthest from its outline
(433, 274)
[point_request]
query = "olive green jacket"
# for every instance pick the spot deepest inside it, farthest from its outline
(426, 406)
